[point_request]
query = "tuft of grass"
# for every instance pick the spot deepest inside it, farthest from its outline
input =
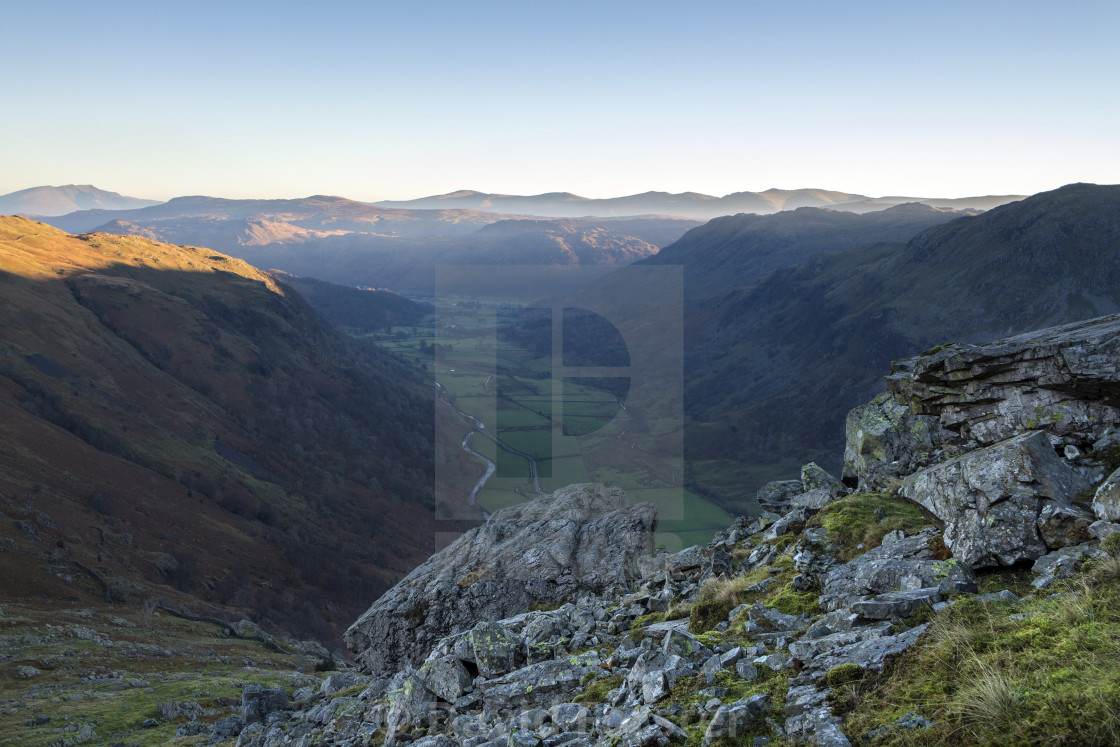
(1111, 545)
(471, 577)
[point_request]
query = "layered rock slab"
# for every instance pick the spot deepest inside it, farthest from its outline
(1064, 380)
(581, 539)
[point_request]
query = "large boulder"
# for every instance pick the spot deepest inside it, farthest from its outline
(1064, 380)
(992, 500)
(581, 539)
(884, 440)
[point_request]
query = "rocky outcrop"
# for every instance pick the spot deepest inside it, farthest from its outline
(1063, 380)
(900, 564)
(581, 539)
(1002, 503)
(884, 441)
(698, 646)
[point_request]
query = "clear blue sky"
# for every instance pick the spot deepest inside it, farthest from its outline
(373, 100)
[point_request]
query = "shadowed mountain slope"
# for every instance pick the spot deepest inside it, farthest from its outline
(184, 425)
(737, 250)
(779, 363)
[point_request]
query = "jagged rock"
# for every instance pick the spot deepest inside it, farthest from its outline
(227, 728)
(176, 710)
(194, 729)
(435, 740)
(775, 496)
(1064, 380)
(814, 477)
(813, 500)
(1062, 524)
(1063, 563)
(775, 662)
(340, 681)
(649, 662)
(884, 440)
(683, 644)
(1102, 529)
(746, 670)
(642, 728)
(540, 685)
(571, 717)
(772, 620)
(990, 499)
(568, 739)
(655, 687)
(583, 538)
(896, 605)
(467, 727)
(866, 647)
(731, 721)
(1106, 501)
(446, 677)
(658, 630)
(720, 563)
(495, 648)
(906, 564)
(791, 523)
(328, 711)
(258, 701)
(409, 702)
(807, 710)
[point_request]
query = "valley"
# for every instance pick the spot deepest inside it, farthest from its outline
(542, 432)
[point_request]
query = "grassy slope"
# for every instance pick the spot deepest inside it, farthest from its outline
(1038, 671)
(177, 419)
(109, 668)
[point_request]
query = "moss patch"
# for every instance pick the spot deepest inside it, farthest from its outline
(596, 691)
(854, 529)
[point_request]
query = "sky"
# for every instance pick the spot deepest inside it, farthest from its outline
(374, 100)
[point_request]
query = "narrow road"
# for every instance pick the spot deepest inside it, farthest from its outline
(480, 428)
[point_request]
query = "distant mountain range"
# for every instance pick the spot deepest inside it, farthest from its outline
(685, 204)
(354, 243)
(57, 201)
(50, 201)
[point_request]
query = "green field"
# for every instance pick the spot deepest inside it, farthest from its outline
(593, 438)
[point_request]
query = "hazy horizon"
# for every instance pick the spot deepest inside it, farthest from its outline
(376, 101)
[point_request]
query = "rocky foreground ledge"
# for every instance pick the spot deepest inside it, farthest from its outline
(556, 623)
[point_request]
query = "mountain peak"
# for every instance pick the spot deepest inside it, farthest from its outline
(50, 200)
